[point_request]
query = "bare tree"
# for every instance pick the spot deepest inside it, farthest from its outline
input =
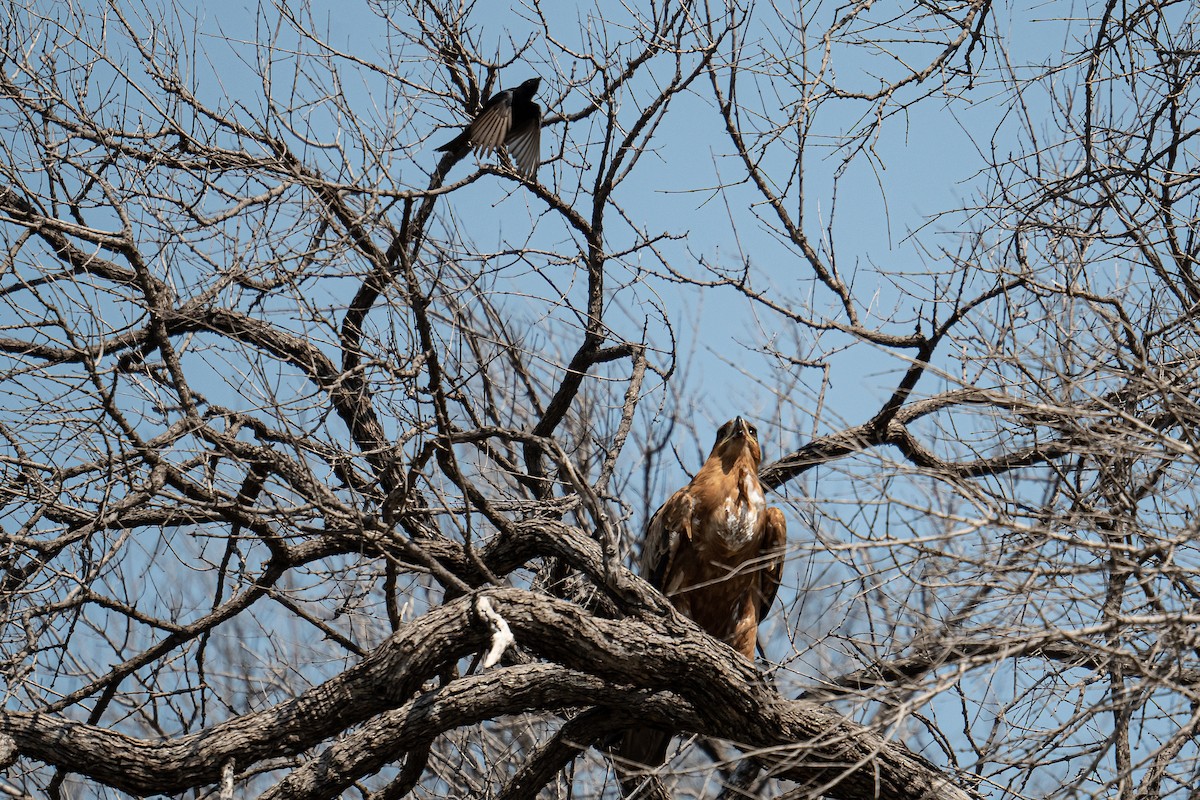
(323, 452)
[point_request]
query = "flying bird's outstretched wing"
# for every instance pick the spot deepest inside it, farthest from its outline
(524, 141)
(489, 130)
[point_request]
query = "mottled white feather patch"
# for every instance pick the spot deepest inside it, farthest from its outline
(742, 513)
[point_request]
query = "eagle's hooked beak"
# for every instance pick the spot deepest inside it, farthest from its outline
(736, 433)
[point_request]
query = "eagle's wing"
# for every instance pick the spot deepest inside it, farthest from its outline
(490, 128)
(668, 530)
(774, 543)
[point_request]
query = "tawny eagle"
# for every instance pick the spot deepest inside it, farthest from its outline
(715, 549)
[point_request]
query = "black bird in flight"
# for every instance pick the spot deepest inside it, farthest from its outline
(509, 119)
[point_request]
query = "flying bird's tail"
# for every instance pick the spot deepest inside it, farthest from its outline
(640, 752)
(461, 142)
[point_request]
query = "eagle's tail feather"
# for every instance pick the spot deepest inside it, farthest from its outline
(641, 751)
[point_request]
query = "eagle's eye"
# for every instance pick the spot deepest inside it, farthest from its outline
(753, 431)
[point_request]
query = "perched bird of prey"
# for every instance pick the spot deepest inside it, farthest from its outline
(509, 119)
(715, 549)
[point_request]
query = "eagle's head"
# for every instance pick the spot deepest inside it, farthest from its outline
(735, 438)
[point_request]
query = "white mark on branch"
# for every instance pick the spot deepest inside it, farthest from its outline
(502, 635)
(227, 780)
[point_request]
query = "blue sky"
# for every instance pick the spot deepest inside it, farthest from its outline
(925, 162)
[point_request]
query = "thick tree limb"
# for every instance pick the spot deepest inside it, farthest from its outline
(594, 661)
